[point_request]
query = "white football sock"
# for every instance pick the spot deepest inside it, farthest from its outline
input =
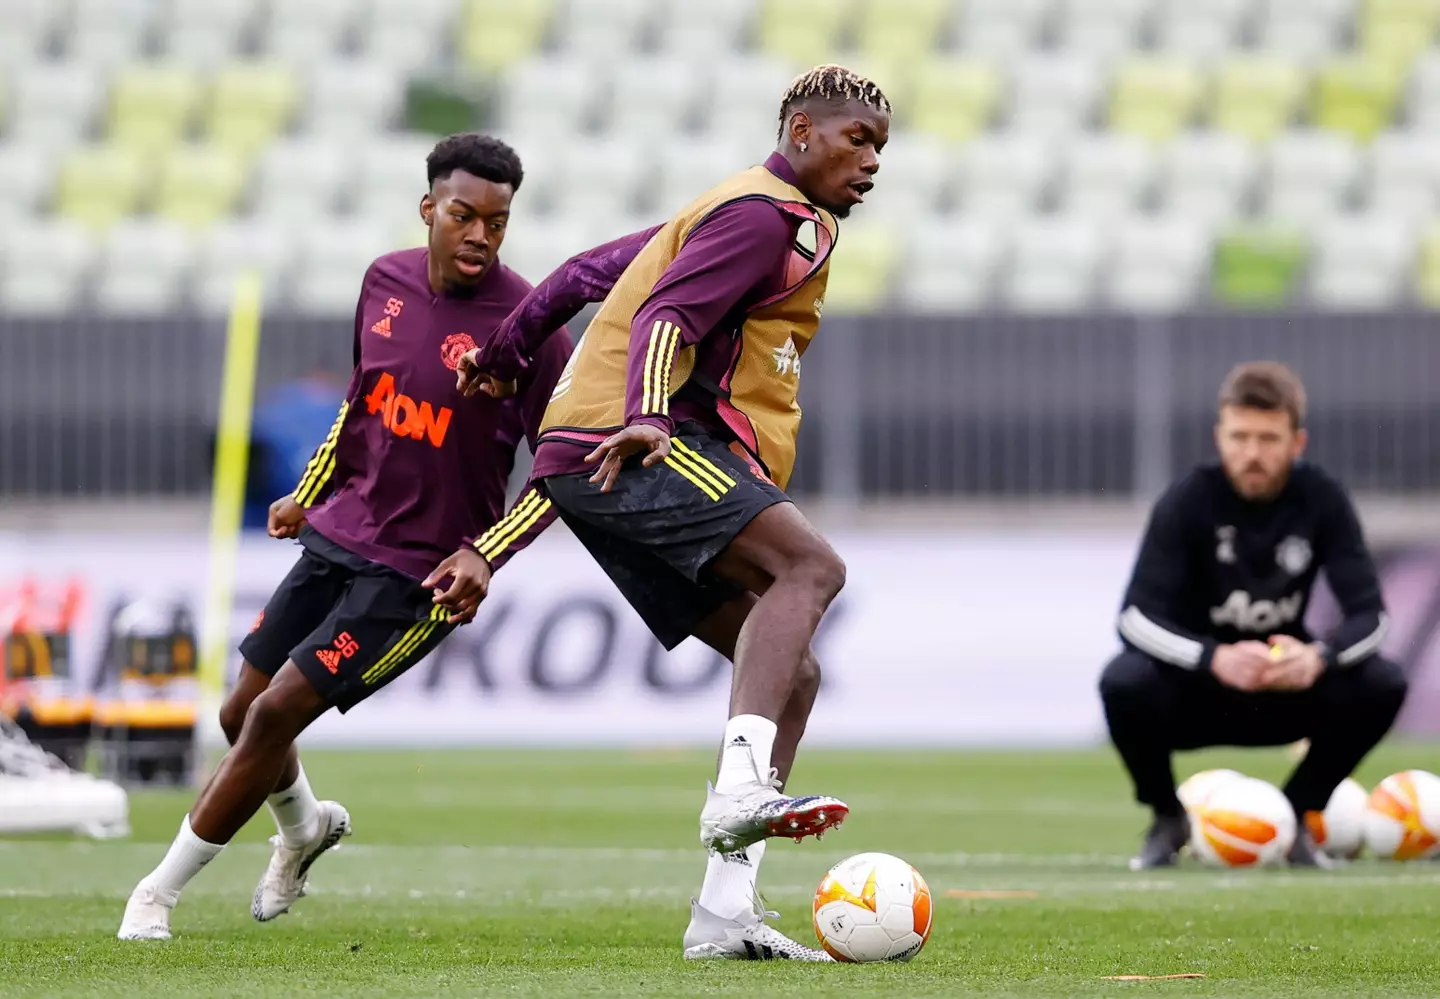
(182, 862)
(297, 813)
(729, 887)
(748, 742)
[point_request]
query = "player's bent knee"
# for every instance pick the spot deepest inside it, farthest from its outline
(1382, 683)
(232, 715)
(824, 571)
(1130, 678)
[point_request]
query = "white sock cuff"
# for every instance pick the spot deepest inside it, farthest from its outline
(190, 841)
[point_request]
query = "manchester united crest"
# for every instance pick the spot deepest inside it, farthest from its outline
(456, 346)
(1293, 555)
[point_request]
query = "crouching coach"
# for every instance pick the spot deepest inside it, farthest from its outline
(1216, 650)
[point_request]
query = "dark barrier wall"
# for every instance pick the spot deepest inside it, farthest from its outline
(895, 405)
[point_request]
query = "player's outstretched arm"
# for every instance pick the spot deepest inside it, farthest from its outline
(495, 366)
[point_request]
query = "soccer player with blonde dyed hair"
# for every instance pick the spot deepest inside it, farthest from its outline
(670, 438)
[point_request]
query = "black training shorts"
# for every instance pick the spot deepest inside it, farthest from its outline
(350, 624)
(657, 531)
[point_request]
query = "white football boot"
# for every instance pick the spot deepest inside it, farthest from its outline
(284, 881)
(756, 811)
(147, 914)
(749, 939)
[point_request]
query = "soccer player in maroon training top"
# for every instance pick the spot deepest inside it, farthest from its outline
(405, 495)
(669, 441)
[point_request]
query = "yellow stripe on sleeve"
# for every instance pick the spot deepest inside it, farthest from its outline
(322, 464)
(656, 332)
(518, 512)
(494, 548)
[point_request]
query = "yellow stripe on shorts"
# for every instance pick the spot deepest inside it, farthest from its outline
(414, 637)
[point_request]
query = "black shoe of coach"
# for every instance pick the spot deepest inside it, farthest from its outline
(1167, 836)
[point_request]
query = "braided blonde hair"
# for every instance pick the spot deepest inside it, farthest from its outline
(832, 82)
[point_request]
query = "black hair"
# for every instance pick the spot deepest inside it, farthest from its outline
(834, 84)
(484, 156)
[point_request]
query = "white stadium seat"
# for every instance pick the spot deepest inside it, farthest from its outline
(1201, 30)
(352, 100)
(331, 262)
(1056, 265)
(1055, 93)
(915, 172)
(952, 265)
(301, 178)
(1208, 175)
(688, 26)
(1404, 174)
(46, 267)
(223, 252)
(26, 176)
(1311, 176)
(314, 29)
(1306, 30)
(1107, 175)
(1102, 28)
(689, 167)
(390, 180)
(54, 102)
(1004, 176)
(550, 94)
(106, 33)
(654, 98)
(143, 265)
(745, 99)
(1424, 97)
(1158, 263)
(1002, 28)
(1362, 262)
(608, 26)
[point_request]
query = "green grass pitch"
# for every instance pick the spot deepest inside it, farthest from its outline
(568, 874)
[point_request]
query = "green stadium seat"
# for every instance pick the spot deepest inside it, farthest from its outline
(804, 32)
(1258, 267)
(152, 105)
(200, 185)
(497, 34)
(1357, 96)
(899, 30)
(1155, 98)
(100, 185)
(954, 99)
(1257, 97)
(861, 269)
(250, 104)
(1427, 277)
(1394, 32)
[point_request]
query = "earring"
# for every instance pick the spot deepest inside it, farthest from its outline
(803, 147)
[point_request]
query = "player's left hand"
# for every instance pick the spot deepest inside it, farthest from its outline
(469, 574)
(469, 379)
(1293, 666)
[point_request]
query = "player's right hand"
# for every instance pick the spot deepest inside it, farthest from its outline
(285, 518)
(469, 575)
(1243, 665)
(617, 448)
(469, 379)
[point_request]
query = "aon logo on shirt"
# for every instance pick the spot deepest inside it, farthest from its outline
(1258, 616)
(404, 416)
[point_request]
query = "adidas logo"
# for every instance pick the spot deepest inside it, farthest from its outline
(739, 740)
(329, 658)
(382, 327)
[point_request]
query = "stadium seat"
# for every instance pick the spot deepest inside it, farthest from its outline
(352, 99)
(205, 33)
(655, 97)
(1154, 98)
(535, 246)
(1394, 32)
(1056, 265)
(29, 29)
(1311, 177)
(1002, 29)
(746, 99)
(1200, 30)
(497, 34)
(100, 185)
(1304, 30)
(199, 185)
(314, 29)
(390, 180)
(1158, 263)
(46, 268)
(609, 26)
(911, 184)
(152, 105)
(301, 179)
(331, 261)
(410, 34)
(603, 177)
(803, 32)
(901, 31)
(54, 103)
(687, 26)
(1424, 95)
(143, 267)
(1003, 177)
(1208, 176)
(690, 167)
(109, 33)
(250, 104)
(550, 94)
(952, 265)
(1106, 176)
(1427, 276)
(1055, 93)
(1356, 96)
(1258, 267)
(860, 268)
(1362, 262)
(1102, 29)
(26, 177)
(1256, 97)
(224, 251)
(1405, 175)
(951, 98)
